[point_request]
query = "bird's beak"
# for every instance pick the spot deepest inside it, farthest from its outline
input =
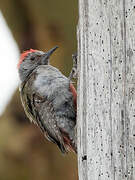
(49, 53)
(46, 56)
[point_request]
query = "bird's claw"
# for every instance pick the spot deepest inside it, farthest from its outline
(73, 73)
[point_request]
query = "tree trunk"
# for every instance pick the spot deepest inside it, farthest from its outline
(106, 88)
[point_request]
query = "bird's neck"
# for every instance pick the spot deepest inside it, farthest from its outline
(25, 73)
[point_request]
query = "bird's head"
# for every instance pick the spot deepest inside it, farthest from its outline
(30, 59)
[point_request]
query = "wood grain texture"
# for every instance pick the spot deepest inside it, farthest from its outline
(106, 90)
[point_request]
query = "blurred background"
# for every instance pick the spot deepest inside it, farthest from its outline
(24, 153)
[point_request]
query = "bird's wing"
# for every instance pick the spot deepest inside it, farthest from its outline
(47, 121)
(41, 112)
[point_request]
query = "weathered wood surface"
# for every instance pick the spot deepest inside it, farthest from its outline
(106, 88)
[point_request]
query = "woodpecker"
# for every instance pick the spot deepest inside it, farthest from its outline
(49, 98)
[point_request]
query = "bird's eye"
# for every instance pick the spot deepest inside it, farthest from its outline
(32, 58)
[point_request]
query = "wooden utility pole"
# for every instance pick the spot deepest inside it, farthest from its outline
(106, 90)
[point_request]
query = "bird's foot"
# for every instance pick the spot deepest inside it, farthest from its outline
(73, 73)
